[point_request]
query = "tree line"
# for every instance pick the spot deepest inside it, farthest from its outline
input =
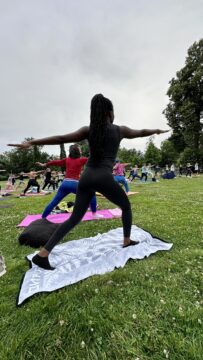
(17, 160)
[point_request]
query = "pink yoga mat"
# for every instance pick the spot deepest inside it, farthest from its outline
(59, 218)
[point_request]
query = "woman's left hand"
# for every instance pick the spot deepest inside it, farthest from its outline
(24, 145)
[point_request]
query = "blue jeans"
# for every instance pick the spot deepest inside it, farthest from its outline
(121, 180)
(67, 187)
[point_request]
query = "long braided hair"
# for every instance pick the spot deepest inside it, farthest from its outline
(99, 113)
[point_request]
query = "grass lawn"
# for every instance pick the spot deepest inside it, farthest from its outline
(150, 309)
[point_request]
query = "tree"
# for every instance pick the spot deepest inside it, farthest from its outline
(18, 160)
(62, 155)
(62, 151)
(187, 156)
(168, 153)
(84, 147)
(152, 154)
(185, 109)
(131, 156)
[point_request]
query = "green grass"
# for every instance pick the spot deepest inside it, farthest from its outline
(150, 309)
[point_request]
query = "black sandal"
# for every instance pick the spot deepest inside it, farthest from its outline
(42, 262)
(131, 243)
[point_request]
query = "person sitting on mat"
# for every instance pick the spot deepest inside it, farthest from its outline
(104, 139)
(118, 171)
(73, 164)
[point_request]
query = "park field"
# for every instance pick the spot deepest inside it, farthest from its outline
(149, 310)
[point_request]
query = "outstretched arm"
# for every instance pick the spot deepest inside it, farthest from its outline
(39, 172)
(61, 162)
(33, 172)
(75, 136)
(129, 133)
(41, 164)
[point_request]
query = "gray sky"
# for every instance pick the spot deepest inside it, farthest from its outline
(56, 54)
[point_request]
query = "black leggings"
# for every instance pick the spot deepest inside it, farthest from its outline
(144, 175)
(92, 180)
(32, 182)
(50, 183)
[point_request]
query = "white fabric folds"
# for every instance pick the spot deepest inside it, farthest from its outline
(78, 259)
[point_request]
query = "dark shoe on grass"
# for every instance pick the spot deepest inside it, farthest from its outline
(42, 262)
(131, 243)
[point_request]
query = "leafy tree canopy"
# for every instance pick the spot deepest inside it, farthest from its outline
(152, 154)
(185, 109)
(169, 154)
(18, 160)
(131, 156)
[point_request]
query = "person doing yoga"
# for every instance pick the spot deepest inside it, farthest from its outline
(119, 177)
(21, 180)
(73, 164)
(32, 181)
(104, 138)
(134, 173)
(48, 179)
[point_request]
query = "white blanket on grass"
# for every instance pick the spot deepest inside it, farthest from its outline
(78, 259)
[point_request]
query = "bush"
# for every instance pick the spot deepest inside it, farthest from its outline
(3, 177)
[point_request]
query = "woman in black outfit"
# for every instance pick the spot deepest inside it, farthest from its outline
(104, 138)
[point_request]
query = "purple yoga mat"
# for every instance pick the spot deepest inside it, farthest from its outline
(59, 218)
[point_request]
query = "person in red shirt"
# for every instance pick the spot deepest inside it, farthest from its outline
(73, 164)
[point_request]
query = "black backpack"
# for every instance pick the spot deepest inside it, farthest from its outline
(37, 233)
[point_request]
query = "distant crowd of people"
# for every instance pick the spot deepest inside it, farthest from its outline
(187, 170)
(37, 179)
(48, 179)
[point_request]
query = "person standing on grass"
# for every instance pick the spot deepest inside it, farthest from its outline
(48, 180)
(32, 175)
(9, 184)
(149, 170)
(21, 180)
(196, 169)
(189, 170)
(172, 169)
(144, 173)
(134, 173)
(119, 171)
(180, 170)
(104, 139)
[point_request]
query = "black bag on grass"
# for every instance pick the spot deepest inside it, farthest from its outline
(37, 233)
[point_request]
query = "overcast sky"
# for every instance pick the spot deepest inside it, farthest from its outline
(56, 54)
